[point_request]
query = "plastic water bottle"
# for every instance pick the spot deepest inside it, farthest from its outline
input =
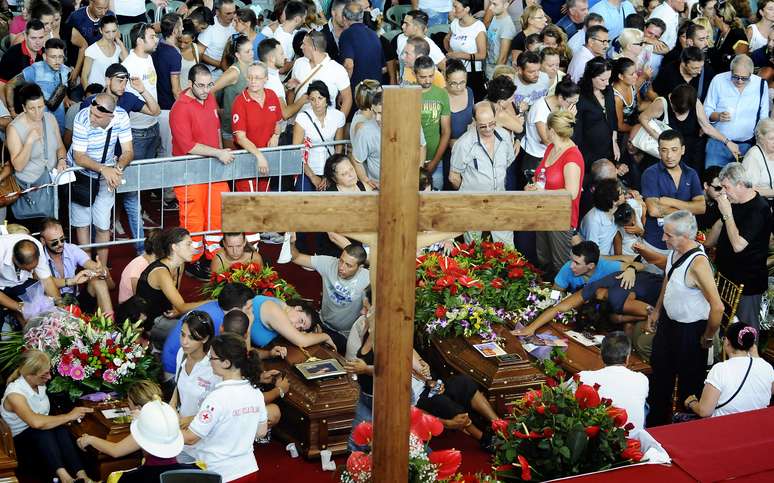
(540, 179)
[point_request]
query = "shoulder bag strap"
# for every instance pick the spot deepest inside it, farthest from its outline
(682, 260)
(739, 388)
(766, 163)
(107, 145)
(665, 117)
(322, 138)
(45, 139)
(309, 77)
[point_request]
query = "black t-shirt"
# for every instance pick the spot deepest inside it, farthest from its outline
(753, 219)
(519, 42)
(669, 77)
(14, 61)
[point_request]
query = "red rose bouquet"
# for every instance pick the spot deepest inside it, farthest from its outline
(558, 431)
(263, 280)
(423, 468)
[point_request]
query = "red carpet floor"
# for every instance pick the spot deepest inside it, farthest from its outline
(274, 461)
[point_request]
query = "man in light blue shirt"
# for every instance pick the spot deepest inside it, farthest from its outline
(614, 12)
(585, 267)
(735, 102)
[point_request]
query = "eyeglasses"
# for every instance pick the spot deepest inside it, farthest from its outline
(457, 84)
(56, 242)
(639, 43)
(740, 78)
(100, 107)
(199, 85)
(601, 41)
(716, 187)
(490, 125)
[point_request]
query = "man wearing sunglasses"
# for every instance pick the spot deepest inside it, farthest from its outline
(65, 259)
(196, 130)
(20, 261)
(88, 150)
(735, 102)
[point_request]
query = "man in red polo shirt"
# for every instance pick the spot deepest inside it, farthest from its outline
(256, 115)
(196, 130)
(24, 54)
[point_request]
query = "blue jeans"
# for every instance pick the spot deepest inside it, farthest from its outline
(435, 17)
(719, 155)
(146, 144)
(363, 412)
(437, 178)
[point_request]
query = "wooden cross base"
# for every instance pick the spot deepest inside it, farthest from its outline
(316, 414)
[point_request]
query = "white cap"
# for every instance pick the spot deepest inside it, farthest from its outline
(157, 430)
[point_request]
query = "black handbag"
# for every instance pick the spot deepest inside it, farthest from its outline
(83, 191)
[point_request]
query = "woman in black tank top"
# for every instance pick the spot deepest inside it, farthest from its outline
(160, 281)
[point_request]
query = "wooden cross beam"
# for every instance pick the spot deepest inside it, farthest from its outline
(396, 213)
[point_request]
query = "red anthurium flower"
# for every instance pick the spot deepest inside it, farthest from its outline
(633, 450)
(74, 310)
(560, 375)
(540, 409)
(447, 462)
(548, 432)
(363, 433)
(592, 431)
(500, 426)
(440, 312)
(629, 426)
(618, 415)
(358, 462)
(576, 378)
(237, 266)
(587, 396)
(469, 282)
(526, 474)
(424, 425)
(554, 408)
(496, 282)
(551, 382)
(516, 273)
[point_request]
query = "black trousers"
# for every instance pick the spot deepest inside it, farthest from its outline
(338, 339)
(53, 448)
(677, 352)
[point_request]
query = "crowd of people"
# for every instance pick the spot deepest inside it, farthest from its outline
(654, 116)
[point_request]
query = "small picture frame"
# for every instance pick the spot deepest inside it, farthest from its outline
(319, 369)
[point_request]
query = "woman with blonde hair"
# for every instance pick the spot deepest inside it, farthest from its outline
(365, 91)
(633, 47)
(533, 21)
(38, 437)
(561, 169)
(732, 39)
(759, 160)
(138, 394)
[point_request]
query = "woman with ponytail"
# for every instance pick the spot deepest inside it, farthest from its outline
(743, 382)
(233, 414)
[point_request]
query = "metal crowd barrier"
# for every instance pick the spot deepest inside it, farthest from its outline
(166, 173)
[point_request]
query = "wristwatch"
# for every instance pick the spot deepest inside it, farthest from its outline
(725, 217)
(282, 393)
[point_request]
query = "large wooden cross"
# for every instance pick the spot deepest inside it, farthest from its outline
(396, 213)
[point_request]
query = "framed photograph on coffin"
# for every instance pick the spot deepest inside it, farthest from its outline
(321, 368)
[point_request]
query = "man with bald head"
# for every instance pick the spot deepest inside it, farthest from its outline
(19, 260)
(96, 130)
(480, 158)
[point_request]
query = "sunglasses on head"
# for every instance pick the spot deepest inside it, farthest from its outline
(100, 107)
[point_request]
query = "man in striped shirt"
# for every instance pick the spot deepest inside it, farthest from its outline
(100, 123)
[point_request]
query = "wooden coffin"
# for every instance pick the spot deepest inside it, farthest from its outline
(316, 414)
(501, 383)
(96, 424)
(583, 358)
(8, 461)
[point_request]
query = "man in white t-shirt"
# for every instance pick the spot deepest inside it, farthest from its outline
(212, 42)
(316, 65)
(146, 138)
(294, 14)
(627, 389)
(531, 83)
(597, 42)
(415, 25)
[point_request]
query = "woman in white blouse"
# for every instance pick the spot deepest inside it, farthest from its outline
(104, 52)
(759, 160)
(38, 437)
(466, 41)
(744, 382)
(321, 122)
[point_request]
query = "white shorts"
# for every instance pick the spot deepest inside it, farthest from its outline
(98, 214)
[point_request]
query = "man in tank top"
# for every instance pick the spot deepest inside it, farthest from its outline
(692, 310)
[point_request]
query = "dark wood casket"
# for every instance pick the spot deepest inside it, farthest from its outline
(504, 382)
(316, 414)
(501, 383)
(8, 461)
(96, 424)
